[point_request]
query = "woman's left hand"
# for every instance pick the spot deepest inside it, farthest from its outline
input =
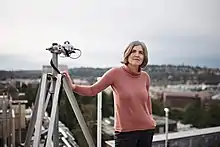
(154, 122)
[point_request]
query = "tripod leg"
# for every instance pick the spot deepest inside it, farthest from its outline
(50, 94)
(40, 111)
(56, 133)
(48, 97)
(53, 112)
(33, 119)
(78, 113)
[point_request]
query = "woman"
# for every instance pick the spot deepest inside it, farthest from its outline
(134, 124)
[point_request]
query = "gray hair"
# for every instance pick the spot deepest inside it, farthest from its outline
(128, 51)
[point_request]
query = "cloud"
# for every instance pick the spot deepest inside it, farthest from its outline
(11, 62)
(174, 31)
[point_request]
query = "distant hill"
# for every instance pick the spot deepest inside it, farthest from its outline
(159, 72)
(20, 74)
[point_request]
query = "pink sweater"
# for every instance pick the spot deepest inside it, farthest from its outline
(133, 110)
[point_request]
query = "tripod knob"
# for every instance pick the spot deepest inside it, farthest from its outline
(66, 42)
(53, 44)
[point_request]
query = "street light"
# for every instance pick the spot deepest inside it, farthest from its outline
(167, 125)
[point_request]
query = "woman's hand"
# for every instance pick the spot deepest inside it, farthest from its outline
(65, 73)
(154, 122)
(69, 80)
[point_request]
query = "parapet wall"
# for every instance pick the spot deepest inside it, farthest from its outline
(207, 137)
(194, 138)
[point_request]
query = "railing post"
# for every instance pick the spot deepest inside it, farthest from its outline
(99, 118)
(167, 125)
(13, 128)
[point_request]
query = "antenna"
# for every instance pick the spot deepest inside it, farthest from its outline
(56, 82)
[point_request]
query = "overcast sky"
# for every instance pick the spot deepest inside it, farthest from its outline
(175, 31)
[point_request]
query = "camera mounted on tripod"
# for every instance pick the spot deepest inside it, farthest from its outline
(66, 50)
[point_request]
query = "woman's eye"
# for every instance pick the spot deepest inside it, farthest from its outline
(140, 52)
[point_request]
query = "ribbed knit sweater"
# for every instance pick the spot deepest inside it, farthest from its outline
(132, 103)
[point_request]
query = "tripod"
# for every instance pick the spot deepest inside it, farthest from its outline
(55, 81)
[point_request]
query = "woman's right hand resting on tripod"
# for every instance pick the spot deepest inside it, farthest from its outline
(69, 80)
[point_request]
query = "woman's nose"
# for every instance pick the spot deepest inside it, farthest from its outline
(137, 54)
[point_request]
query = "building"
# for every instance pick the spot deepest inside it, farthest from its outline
(81, 81)
(182, 99)
(160, 128)
(48, 68)
(12, 118)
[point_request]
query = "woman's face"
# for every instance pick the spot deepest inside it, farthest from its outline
(136, 57)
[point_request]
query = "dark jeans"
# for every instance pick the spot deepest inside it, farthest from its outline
(139, 138)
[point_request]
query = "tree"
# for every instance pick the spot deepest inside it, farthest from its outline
(176, 114)
(68, 117)
(107, 104)
(30, 94)
(157, 107)
(192, 114)
(214, 115)
(196, 115)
